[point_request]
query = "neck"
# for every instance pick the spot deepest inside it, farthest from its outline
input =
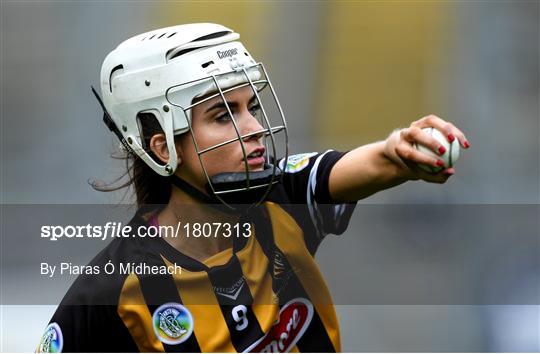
(187, 211)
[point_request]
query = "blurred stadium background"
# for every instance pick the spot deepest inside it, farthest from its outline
(347, 73)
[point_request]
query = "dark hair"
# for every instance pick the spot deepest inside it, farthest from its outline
(150, 187)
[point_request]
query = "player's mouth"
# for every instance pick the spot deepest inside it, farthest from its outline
(255, 158)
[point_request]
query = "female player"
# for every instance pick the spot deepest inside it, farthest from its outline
(233, 267)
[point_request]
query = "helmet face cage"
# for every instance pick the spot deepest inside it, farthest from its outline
(272, 120)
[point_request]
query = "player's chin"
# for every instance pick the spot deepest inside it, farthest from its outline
(253, 164)
(253, 169)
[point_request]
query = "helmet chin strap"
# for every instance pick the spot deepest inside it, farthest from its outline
(241, 199)
(198, 195)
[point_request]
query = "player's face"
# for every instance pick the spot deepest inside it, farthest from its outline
(212, 125)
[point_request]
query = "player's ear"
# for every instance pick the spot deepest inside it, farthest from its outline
(158, 145)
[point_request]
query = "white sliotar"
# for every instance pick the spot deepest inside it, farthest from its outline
(449, 157)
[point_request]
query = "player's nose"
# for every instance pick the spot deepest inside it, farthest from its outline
(252, 127)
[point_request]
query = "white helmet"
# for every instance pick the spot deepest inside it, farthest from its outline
(163, 71)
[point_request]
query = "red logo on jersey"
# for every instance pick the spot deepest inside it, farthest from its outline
(294, 317)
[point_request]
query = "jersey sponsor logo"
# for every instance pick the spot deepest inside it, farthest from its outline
(52, 340)
(233, 291)
(173, 323)
(296, 163)
(279, 265)
(294, 318)
(227, 53)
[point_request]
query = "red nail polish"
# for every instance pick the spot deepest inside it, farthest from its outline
(440, 163)
(442, 150)
(451, 137)
(466, 144)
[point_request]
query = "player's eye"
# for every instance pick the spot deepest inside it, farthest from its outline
(255, 110)
(223, 117)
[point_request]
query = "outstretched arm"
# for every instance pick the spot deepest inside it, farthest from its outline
(385, 164)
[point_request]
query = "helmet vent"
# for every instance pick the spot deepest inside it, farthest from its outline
(203, 38)
(113, 71)
(207, 64)
(182, 52)
(161, 35)
(212, 36)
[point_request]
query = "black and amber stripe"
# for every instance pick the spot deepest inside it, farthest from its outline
(198, 297)
(161, 289)
(136, 316)
(285, 236)
(242, 335)
(214, 328)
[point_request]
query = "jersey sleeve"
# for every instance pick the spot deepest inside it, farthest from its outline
(87, 320)
(85, 328)
(69, 330)
(306, 182)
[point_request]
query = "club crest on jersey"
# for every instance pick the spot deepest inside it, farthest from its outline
(173, 323)
(52, 340)
(294, 318)
(296, 163)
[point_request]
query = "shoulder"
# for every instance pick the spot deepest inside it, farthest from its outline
(297, 162)
(305, 176)
(101, 280)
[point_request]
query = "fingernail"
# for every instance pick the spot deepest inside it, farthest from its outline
(440, 163)
(442, 150)
(451, 137)
(450, 172)
(466, 144)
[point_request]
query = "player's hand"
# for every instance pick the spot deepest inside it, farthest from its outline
(400, 149)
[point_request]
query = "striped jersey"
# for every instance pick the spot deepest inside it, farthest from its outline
(265, 294)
